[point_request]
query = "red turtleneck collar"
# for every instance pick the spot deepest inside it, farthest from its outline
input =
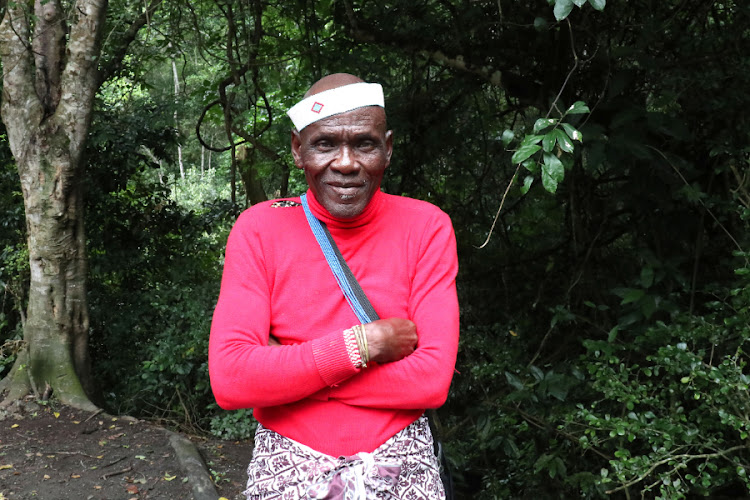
(369, 213)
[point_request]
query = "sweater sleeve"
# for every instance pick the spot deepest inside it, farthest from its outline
(422, 379)
(245, 371)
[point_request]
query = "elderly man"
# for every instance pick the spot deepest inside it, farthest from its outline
(340, 405)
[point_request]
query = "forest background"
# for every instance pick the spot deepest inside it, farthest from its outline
(593, 159)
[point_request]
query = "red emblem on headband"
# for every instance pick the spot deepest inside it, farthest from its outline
(317, 107)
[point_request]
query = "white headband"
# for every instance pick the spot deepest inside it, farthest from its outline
(335, 101)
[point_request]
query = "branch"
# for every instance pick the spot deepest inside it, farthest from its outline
(20, 103)
(79, 81)
(686, 457)
(121, 49)
(502, 202)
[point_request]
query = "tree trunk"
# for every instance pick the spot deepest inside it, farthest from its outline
(48, 92)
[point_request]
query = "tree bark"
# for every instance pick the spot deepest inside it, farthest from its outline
(48, 92)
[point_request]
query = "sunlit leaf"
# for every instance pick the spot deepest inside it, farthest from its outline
(563, 141)
(577, 108)
(507, 137)
(572, 132)
(562, 9)
(543, 123)
(598, 4)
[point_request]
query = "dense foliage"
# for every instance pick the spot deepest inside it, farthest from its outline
(593, 159)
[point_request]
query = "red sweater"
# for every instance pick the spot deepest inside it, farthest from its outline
(277, 281)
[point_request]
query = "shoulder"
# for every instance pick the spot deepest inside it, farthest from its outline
(272, 209)
(271, 216)
(414, 210)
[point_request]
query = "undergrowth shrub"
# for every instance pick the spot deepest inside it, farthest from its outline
(672, 406)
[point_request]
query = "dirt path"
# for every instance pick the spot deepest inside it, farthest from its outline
(58, 453)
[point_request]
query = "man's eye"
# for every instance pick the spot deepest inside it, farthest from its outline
(324, 144)
(367, 145)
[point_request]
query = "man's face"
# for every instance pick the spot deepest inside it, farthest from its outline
(344, 157)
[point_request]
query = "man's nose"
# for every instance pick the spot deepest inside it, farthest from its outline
(345, 161)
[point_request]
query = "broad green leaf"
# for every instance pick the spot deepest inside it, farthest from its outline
(579, 3)
(649, 305)
(554, 166)
(548, 143)
(633, 295)
(578, 108)
(531, 165)
(647, 277)
(572, 132)
(598, 4)
(524, 152)
(553, 172)
(548, 182)
(536, 372)
(562, 9)
(543, 123)
(563, 141)
(507, 137)
(514, 381)
(527, 182)
(531, 139)
(613, 334)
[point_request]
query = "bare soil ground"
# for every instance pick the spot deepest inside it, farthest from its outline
(53, 452)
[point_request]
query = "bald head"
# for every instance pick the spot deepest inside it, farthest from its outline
(333, 81)
(335, 94)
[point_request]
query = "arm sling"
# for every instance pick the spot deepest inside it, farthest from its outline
(365, 313)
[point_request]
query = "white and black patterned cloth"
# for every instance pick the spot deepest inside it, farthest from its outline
(402, 468)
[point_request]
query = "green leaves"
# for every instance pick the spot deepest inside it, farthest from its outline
(564, 7)
(554, 139)
(553, 172)
(578, 108)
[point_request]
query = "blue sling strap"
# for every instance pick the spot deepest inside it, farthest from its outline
(353, 292)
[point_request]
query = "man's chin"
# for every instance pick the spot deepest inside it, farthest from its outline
(345, 209)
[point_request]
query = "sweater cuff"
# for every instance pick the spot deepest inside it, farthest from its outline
(332, 359)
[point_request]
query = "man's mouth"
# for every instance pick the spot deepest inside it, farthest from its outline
(346, 191)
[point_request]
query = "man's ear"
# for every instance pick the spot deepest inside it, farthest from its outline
(296, 145)
(388, 146)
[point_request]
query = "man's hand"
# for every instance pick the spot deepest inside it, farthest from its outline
(390, 339)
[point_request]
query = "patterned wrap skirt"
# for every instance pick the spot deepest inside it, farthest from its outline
(404, 467)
